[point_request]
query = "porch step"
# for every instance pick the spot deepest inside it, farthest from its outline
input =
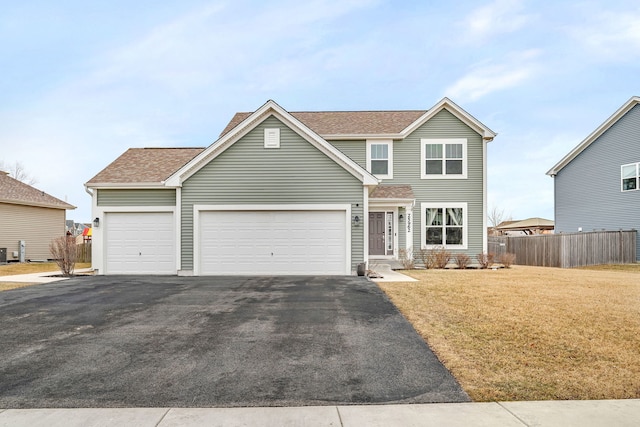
(385, 265)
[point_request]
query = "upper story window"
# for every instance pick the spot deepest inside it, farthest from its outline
(630, 176)
(443, 158)
(380, 158)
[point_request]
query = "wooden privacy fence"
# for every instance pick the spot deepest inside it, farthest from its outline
(83, 252)
(569, 249)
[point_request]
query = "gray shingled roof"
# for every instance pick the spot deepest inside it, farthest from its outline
(326, 123)
(145, 165)
(17, 192)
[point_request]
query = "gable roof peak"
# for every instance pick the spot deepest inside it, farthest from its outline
(593, 136)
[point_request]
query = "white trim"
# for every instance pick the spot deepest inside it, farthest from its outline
(485, 245)
(197, 209)
(99, 242)
(637, 176)
(267, 110)
(453, 108)
(408, 228)
(443, 142)
(389, 144)
(178, 218)
(127, 185)
(632, 102)
(444, 205)
(365, 228)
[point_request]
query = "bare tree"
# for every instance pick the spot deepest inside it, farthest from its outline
(496, 216)
(17, 171)
(63, 250)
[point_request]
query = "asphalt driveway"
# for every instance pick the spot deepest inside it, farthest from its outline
(129, 341)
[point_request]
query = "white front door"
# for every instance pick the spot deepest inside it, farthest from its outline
(273, 242)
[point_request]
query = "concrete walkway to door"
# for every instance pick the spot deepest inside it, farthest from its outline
(167, 341)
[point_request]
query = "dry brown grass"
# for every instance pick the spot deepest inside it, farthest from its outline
(5, 286)
(530, 333)
(27, 268)
(33, 267)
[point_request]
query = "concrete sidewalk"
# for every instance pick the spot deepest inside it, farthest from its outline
(619, 413)
(43, 277)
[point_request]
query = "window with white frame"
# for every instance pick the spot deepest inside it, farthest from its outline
(443, 158)
(630, 176)
(444, 224)
(380, 158)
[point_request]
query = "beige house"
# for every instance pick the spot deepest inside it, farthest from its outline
(31, 216)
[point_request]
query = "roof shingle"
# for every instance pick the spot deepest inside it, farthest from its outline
(14, 191)
(392, 192)
(326, 123)
(145, 165)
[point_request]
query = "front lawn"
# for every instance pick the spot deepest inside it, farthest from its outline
(28, 268)
(530, 333)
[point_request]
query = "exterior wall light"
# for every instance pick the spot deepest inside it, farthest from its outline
(96, 222)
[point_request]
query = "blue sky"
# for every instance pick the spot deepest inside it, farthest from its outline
(82, 82)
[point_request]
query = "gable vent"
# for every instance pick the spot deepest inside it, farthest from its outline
(272, 138)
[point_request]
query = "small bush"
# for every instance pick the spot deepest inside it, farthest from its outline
(507, 259)
(462, 260)
(63, 251)
(485, 259)
(441, 257)
(406, 259)
(426, 258)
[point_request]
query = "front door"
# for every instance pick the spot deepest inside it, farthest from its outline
(376, 233)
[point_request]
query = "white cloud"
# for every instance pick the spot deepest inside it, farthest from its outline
(497, 17)
(610, 35)
(487, 78)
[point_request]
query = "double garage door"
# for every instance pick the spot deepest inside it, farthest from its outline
(272, 242)
(231, 242)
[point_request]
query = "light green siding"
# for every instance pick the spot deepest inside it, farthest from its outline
(406, 170)
(356, 150)
(247, 173)
(136, 197)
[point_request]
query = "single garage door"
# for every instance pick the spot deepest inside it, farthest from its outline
(273, 242)
(140, 243)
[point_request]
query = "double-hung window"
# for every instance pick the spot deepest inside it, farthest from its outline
(444, 224)
(380, 158)
(443, 158)
(630, 176)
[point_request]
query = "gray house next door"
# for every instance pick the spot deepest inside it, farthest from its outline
(376, 233)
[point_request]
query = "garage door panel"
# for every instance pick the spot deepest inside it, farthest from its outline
(273, 242)
(140, 243)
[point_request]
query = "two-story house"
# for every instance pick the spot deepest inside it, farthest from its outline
(597, 184)
(296, 193)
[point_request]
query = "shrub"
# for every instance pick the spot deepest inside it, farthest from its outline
(440, 256)
(63, 251)
(406, 259)
(426, 258)
(485, 259)
(507, 259)
(462, 260)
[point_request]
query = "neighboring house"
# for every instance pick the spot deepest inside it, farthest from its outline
(29, 215)
(525, 227)
(296, 193)
(597, 184)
